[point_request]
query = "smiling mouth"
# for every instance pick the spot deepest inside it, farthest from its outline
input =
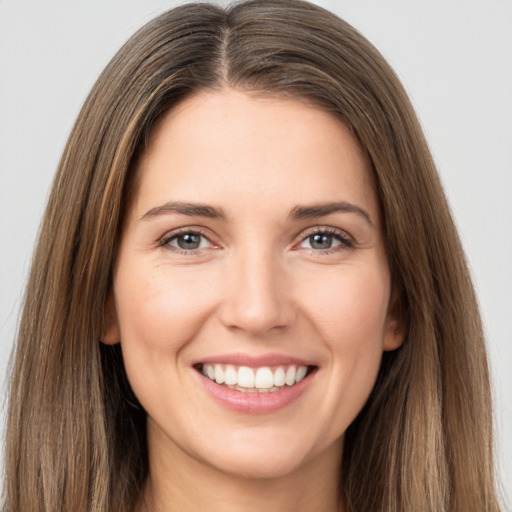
(264, 379)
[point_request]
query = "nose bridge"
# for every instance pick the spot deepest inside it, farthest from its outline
(257, 299)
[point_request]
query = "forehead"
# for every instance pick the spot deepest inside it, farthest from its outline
(218, 146)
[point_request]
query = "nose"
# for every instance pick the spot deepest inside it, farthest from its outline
(258, 297)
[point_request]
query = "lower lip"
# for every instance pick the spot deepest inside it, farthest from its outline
(255, 403)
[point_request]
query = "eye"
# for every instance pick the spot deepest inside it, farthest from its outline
(321, 241)
(187, 241)
(325, 240)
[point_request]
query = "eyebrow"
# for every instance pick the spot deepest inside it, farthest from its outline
(298, 212)
(320, 210)
(190, 209)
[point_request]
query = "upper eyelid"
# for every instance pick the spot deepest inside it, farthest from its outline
(314, 229)
(184, 230)
(346, 240)
(330, 230)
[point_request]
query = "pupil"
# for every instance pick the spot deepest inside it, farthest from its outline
(320, 241)
(189, 241)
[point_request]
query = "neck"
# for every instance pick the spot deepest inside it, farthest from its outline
(178, 482)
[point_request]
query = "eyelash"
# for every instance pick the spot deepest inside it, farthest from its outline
(345, 240)
(165, 242)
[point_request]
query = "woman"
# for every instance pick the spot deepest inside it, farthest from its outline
(243, 216)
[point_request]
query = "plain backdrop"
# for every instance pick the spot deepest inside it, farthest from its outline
(454, 58)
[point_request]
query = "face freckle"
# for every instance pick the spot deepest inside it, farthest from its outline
(252, 256)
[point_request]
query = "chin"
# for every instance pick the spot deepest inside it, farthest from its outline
(262, 466)
(266, 458)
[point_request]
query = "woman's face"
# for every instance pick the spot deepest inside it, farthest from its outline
(252, 252)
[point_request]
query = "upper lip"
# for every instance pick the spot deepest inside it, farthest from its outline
(252, 361)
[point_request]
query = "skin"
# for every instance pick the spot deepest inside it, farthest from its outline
(256, 284)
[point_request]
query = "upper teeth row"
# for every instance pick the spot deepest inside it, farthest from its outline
(259, 378)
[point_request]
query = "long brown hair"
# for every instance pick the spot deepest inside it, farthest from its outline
(76, 438)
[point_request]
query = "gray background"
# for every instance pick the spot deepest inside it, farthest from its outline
(455, 59)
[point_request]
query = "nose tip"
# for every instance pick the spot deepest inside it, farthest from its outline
(257, 299)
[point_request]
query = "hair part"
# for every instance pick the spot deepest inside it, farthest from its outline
(417, 444)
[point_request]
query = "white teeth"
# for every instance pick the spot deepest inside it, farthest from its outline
(290, 376)
(262, 380)
(301, 373)
(245, 377)
(279, 377)
(230, 375)
(219, 374)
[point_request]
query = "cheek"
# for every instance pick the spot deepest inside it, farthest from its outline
(159, 311)
(349, 308)
(350, 318)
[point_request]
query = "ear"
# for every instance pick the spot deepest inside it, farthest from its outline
(111, 333)
(396, 326)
